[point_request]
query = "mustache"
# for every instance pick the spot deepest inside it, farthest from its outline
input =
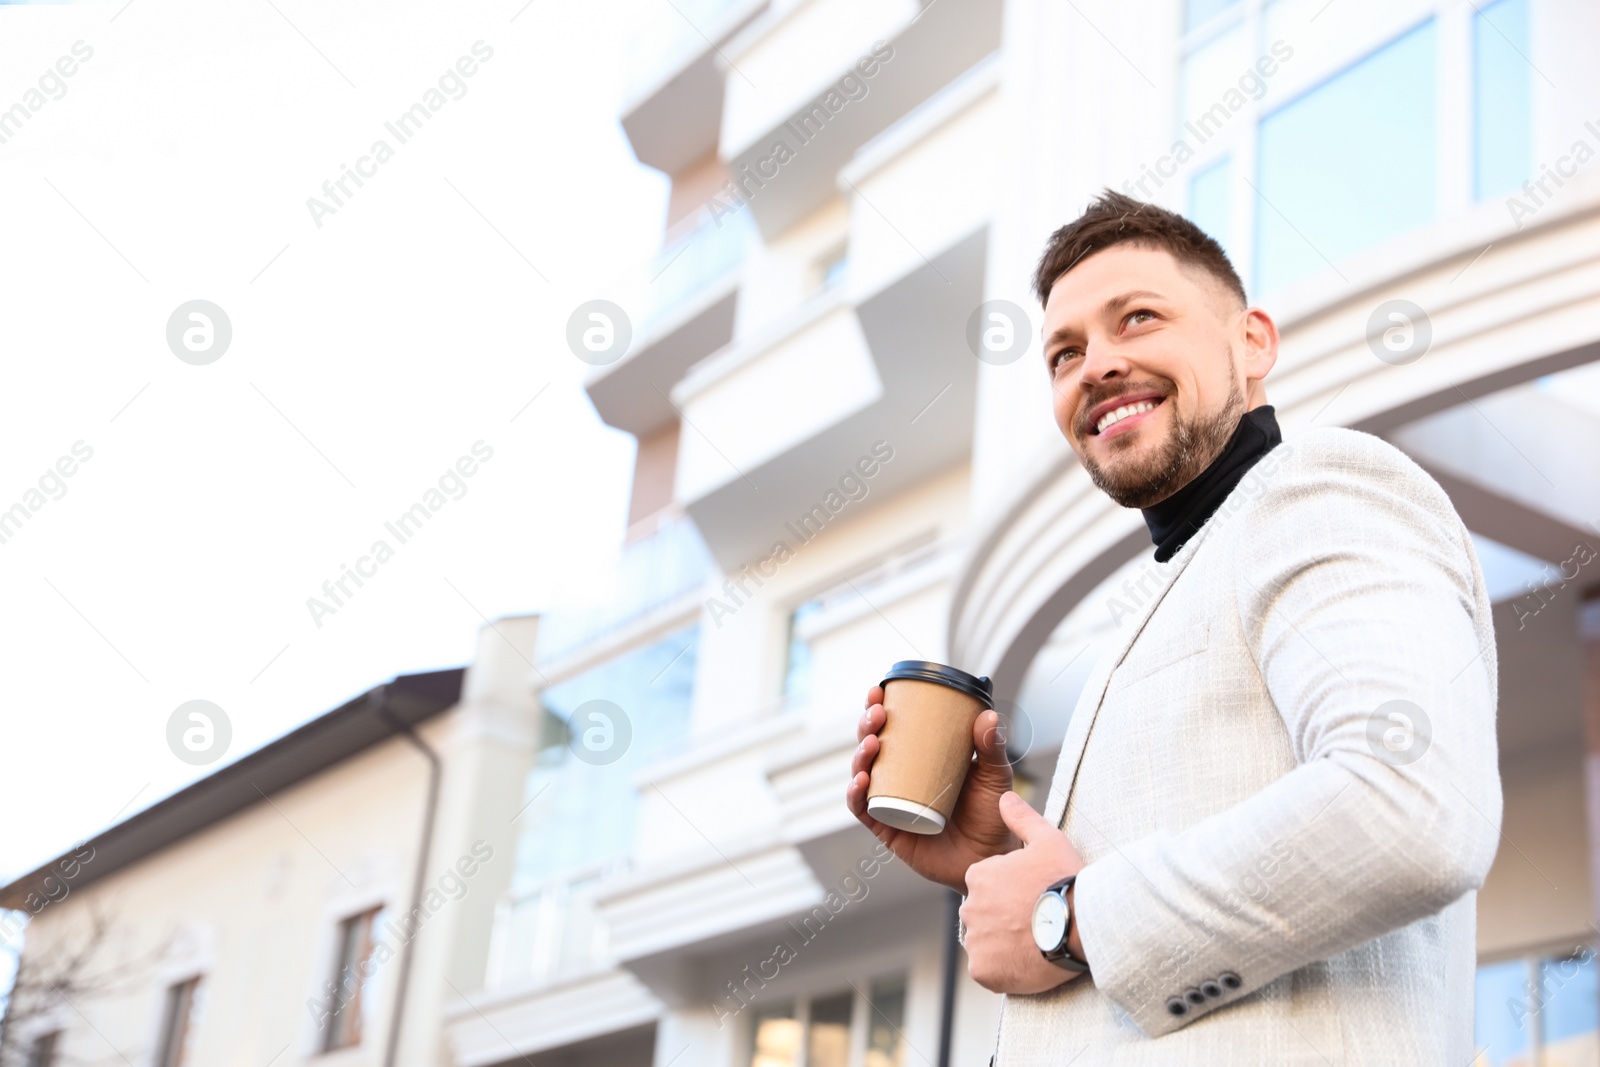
(1082, 426)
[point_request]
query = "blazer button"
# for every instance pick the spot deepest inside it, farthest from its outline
(1210, 988)
(1194, 996)
(1229, 979)
(1176, 1006)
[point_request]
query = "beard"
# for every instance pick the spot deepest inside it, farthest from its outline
(1191, 447)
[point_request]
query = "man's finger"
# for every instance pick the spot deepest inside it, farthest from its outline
(871, 722)
(990, 736)
(1023, 821)
(866, 752)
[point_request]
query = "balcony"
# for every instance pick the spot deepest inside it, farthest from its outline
(675, 94)
(552, 931)
(691, 264)
(815, 97)
(524, 1012)
(927, 174)
(682, 304)
(777, 419)
(652, 574)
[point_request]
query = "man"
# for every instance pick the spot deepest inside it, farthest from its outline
(1279, 790)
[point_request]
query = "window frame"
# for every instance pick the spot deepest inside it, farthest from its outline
(346, 1023)
(179, 1016)
(862, 1009)
(1455, 119)
(1532, 960)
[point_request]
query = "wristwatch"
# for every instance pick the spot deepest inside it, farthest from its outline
(1052, 925)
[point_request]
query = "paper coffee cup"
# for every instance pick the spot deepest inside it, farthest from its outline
(925, 746)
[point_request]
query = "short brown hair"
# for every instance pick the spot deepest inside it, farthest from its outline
(1113, 219)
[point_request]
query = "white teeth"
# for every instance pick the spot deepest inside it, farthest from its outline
(1111, 418)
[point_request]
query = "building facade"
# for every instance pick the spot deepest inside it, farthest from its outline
(846, 449)
(315, 901)
(846, 457)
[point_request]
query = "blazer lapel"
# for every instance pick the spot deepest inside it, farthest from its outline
(1094, 690)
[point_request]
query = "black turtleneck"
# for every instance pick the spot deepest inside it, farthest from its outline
(1177, 518)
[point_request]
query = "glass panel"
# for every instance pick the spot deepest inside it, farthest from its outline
(692, 262)
(652, 571)
(1502, 99)
(585, 808)
(797, 674)
(579, 815)
(1209, 195)
(1570, 1019)
(176, 1024)
(1320, 32)
(885, 1042)
(349, 1004)
(833, 268)
(1349, 163)
(1504, 1027)
(828, 1043)
(1199, 12)
(1210, 73)
(776, 1037)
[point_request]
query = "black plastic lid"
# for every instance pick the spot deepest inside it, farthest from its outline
(922, 670)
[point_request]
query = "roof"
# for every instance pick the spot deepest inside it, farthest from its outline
(313, 748)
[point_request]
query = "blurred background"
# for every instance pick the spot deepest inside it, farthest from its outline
(464, 464)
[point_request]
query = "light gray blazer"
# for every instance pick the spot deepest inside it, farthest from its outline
(1261, 833)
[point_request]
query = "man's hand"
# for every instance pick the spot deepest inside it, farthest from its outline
(975, 830)
(998, 912)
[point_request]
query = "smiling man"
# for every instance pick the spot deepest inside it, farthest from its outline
(1279, 790)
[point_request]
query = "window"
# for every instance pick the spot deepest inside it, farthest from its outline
(1542, 1009)
(1323, 126)
(1209, 191)
(885, 1041)
(776, 1037)
(42, 1053)
(350, 990)
(587, 776)
(1199, 12)
(797, 668)
(832, 268)
(828, 1036)
(1210, 72)
(852, 587)
(1502, 104)
(177, 1023)
(1348, 163)
(837, 1029)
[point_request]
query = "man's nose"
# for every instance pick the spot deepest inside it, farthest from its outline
(1101, 363)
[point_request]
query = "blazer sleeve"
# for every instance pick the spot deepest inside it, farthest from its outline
(1357, 591)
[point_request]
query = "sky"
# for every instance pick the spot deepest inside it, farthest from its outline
(420, 320)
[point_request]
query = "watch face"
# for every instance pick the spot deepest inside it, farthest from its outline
(1049, 921)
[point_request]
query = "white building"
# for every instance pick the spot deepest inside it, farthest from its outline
(835, 472)
(851, 180)
(314, 901)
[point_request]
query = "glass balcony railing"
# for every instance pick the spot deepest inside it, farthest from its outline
(692, 262)
(552, 930)
(580, 819)
(669, 36)
(651, 572)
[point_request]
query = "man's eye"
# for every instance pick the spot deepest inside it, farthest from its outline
(1061, 357)
(1141, 315)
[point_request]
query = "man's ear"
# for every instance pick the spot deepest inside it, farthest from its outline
(1260, 345)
